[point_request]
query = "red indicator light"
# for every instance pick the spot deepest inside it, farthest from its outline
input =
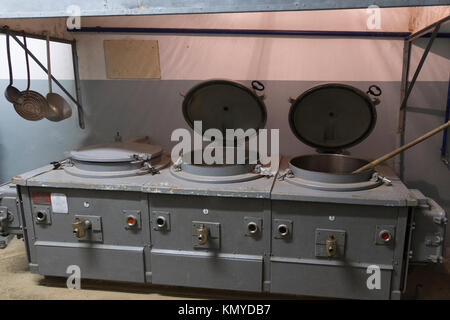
(131, 221)
(385, 236)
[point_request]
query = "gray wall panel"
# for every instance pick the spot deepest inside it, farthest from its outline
(153, 107)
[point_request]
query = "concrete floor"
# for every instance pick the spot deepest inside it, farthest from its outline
(16, 282)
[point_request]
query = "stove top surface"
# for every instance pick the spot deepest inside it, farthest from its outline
(164, 182)
(396, 194)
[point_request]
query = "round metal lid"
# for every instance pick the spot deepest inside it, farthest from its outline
(115, 152)
(223, 104)
(332, 116)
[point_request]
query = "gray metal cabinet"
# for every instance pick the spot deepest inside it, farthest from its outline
(232, 257)
(110, 249)
(300, 263)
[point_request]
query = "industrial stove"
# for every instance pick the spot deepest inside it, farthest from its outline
(89, 211)
(122, 211)
(211, 222)
(331, 228)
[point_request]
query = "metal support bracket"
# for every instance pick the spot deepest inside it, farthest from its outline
(406, 86)
(411, 84)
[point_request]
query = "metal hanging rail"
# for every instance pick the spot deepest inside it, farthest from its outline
(15, 33)
(250, 32)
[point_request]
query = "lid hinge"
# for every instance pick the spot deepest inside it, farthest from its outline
(177, 164)
(286, 174)
(148, 168)
(259, 169)
(377, 177)
(61, 164)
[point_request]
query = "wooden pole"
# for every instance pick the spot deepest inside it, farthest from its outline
(403, 148)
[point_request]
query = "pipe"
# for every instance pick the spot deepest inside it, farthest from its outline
(249, 32)
(254, 32)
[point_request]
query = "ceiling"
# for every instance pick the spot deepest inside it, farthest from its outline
(64, 8)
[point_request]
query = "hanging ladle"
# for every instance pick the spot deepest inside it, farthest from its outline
(59, 109)
(12, 94)
(34, 106)
(403, 148)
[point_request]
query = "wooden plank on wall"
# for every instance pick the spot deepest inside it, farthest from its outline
(422, 17)
(132, 59)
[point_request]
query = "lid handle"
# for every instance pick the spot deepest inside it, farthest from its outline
(258, 86)
(375, 91)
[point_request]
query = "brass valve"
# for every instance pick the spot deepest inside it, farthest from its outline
(202, 234)
(331, 246)
(80, 227)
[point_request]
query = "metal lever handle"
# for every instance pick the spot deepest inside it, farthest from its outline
(331, 246)
(80, 227)
(202, 235)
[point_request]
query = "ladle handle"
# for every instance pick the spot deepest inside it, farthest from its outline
(26, 60)
(403, 148)
(49, 65)
(8, 52)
